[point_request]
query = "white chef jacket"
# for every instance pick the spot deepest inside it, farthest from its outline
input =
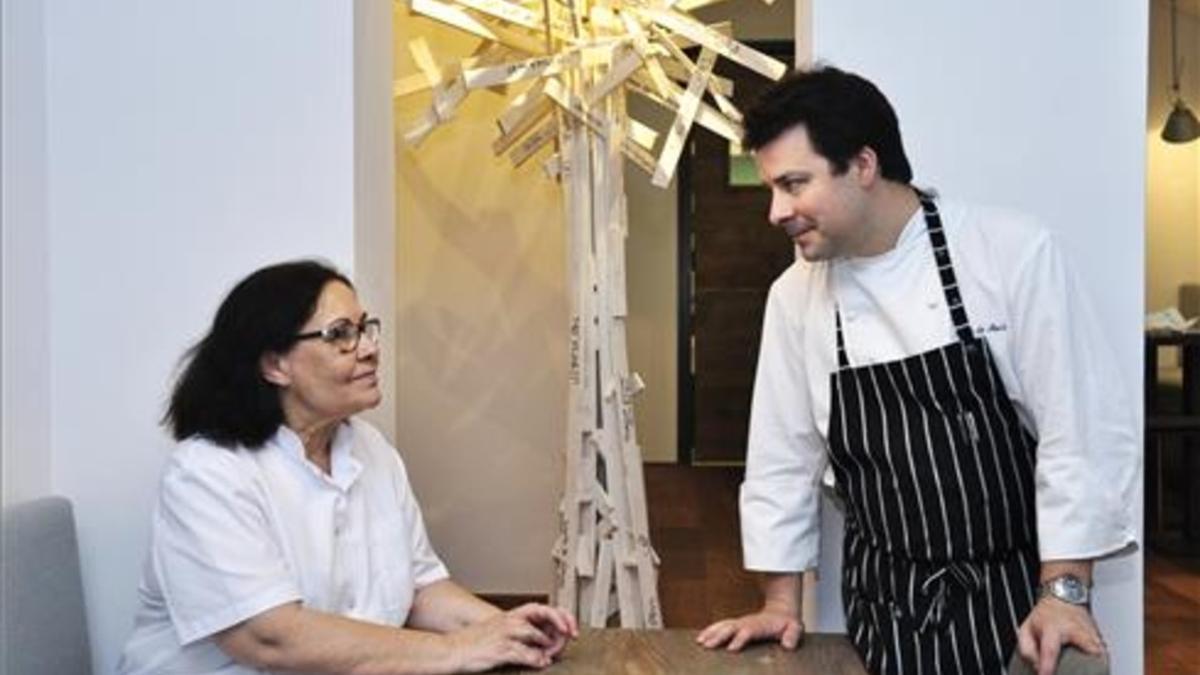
(237, 532)
(1021, 297)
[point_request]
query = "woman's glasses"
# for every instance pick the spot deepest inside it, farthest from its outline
(345, 334)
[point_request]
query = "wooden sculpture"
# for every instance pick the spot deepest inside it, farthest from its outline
(571, 64)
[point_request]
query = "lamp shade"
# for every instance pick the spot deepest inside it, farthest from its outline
(1182, 125)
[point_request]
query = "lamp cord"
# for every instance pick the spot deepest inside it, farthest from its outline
(1174, 49)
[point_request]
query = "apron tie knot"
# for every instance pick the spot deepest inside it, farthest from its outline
(965, 576)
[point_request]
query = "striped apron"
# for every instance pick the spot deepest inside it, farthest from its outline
(940, 562)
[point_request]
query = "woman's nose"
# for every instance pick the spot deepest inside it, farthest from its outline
(367, 347)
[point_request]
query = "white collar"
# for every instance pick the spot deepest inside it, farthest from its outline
(344, 467)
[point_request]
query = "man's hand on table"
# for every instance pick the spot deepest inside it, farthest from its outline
(766, 624)
(1051, 626)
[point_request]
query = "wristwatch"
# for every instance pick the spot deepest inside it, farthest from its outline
(1067, 588)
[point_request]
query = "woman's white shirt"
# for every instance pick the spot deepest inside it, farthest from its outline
(1048, 347)
(238, 532)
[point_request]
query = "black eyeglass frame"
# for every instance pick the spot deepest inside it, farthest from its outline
(329, 334)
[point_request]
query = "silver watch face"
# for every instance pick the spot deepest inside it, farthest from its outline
(1068, 588)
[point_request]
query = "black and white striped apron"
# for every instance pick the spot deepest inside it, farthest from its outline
(940, 563)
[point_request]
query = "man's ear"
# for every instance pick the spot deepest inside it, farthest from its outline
(274, 369)
(866, 165)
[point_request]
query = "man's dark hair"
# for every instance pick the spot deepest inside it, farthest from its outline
(842, 113)
(221, 394)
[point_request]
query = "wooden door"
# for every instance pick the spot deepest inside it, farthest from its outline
(729, 256)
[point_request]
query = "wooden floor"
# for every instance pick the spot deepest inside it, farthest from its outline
(694, 527)
(1172, 615)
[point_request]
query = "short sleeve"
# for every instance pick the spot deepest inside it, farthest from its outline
(214, 549)
(780, 497)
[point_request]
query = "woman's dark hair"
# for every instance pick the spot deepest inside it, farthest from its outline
(221, 394)
(842, 113)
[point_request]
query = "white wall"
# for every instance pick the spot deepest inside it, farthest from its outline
(185, 144)
(1040, 106)
(24, 313)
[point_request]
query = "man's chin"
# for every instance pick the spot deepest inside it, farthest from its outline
(812, 253)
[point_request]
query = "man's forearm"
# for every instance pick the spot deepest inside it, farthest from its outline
(782, 592)
(1057, 568)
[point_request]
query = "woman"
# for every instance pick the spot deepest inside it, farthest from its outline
(286, 536)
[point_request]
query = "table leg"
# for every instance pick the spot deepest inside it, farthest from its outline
(1150, 448)
(1191, 448)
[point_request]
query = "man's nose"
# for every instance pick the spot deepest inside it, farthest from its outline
(781, 209)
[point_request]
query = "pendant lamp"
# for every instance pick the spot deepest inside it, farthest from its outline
(1182, 125)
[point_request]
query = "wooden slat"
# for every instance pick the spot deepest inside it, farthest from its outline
(724, 45)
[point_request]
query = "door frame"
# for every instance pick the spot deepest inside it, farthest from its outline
(686, 406)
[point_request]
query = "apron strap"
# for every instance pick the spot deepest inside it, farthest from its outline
(843, 360)
(941, 255)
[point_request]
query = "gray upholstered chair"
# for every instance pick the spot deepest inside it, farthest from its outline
(44, 631)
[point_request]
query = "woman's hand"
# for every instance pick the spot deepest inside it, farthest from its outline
(531, 635)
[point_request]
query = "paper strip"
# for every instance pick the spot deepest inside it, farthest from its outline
(637, 154)
(519, 107)
(689, 5)
(507, 11)
(640, 157)
(425, 61)
(534, 142)
(409, 84)
(453, 16)
(517, 37)
(536, 114)
(554, 89)
(641, 134)
(682, 64)
(725, 46)
(685, 64)
(507, 73)
(620, 71)
(641, 43)
(552, 167)
(677, 72)
(446, 99)
(707, 116)
(686, 114)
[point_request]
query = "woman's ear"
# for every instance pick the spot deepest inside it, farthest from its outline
(274, 369)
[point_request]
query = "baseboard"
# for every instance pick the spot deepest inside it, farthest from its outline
(511, 600)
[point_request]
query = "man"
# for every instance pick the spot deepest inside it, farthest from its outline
(940, 362)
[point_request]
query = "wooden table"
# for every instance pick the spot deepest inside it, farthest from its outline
(670, 652)
(1186, 424)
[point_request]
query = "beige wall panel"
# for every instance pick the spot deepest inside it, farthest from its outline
(1172, 171)
(481, 317)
